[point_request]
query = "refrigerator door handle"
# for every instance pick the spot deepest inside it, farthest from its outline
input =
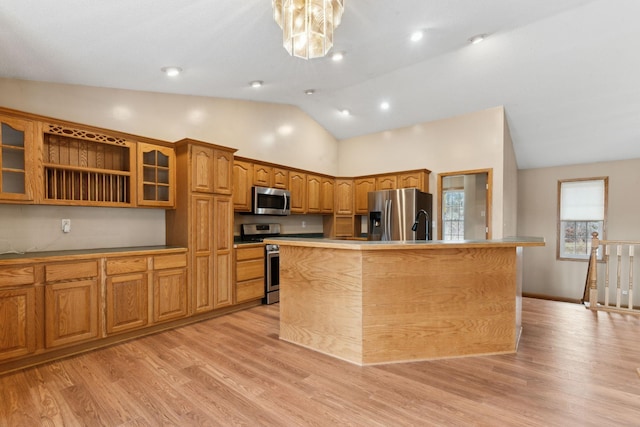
(384, 220)
(388, 225)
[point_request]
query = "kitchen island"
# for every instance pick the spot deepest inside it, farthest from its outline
(372, 302)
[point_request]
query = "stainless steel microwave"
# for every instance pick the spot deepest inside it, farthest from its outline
(270, 201)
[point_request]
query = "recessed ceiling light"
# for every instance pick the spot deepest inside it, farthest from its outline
(171, 71)
(477, 39)
(345, 112)
(256, 83)
(384, 105)
(417, 35)
(337, 56)
(309, 91)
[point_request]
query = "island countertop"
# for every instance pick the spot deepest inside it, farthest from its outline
(366, 245)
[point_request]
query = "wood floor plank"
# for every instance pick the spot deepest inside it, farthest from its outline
(573, 367)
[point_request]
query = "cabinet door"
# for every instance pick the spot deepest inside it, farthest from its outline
(17, 322)
(127, 305)
(280, 178)
(344, 226)
(202, 253)
(71, 312)
(223, 252)
(202, 161)
(327, 195)
(242, 180)
(387, 182)
(362, 188)
(156, 175)
(169, 294)
(16, 159)
(417, 179)
(314, 194)
(344, 197)
(298, 189)
(223, 172)
(262, 175)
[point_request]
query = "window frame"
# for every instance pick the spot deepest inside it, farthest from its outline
(559, 220)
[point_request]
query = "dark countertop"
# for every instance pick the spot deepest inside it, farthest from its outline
(15, 258)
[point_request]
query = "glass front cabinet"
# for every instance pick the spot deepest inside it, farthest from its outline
(16, 144)
(156, 175)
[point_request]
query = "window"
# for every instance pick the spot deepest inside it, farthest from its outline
(582, 209)
(453, 215)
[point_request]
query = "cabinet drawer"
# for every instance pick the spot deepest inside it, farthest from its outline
(162, 262)
(249, 253)
(14, 276)
(247, 270)
(73, 270)
(136, 264)
(249, 290)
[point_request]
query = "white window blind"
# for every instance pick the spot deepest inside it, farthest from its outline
(582, 200)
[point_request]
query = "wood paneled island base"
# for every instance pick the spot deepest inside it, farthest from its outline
(383, 302)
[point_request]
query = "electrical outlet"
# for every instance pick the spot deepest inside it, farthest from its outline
(625, 292)
(304, 224)
(66, 225)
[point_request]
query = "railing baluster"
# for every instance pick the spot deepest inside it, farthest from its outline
(606, 275)
(631, 277)
(618, 274)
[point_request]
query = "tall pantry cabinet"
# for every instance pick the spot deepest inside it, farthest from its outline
(203, 221)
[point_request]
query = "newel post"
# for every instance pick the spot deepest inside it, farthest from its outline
(593, 273)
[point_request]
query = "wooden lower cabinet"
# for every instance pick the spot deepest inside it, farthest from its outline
(17, 322)
(202, 252)
(249, 273)
(223, 252)
(71, 312)
(127, 304)
(169, 295)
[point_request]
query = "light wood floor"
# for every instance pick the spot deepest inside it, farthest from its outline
(573, 368)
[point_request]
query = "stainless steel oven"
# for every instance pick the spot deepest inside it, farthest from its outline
(272, 273)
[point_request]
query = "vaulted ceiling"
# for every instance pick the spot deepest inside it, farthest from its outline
(566, 71)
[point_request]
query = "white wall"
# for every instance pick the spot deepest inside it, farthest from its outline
(469, 142)
(276, 133)
(26, 228)
(537, 216)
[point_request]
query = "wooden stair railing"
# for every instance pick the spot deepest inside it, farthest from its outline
(623, 262)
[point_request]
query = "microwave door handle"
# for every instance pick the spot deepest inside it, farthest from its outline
(284, 196)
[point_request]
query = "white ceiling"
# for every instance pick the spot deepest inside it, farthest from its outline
(567, 71)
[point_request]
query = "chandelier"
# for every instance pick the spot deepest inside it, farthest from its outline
(307, 25)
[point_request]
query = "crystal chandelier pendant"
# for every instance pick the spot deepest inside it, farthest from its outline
(307, 25)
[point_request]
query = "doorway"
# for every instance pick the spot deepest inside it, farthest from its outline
(464, 205)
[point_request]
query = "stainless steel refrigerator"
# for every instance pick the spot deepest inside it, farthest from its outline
(403, 214)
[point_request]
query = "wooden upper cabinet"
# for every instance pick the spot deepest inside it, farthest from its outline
(156, 175)
(280, 178)
(16, 159)
(262, 175)
(386, 182)
(314, 194)
(362, 188)
(298, 189)
(242, 182)
(344, 197)
(223, 171)
(327, 195)
(414, 179)
(202, 175)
